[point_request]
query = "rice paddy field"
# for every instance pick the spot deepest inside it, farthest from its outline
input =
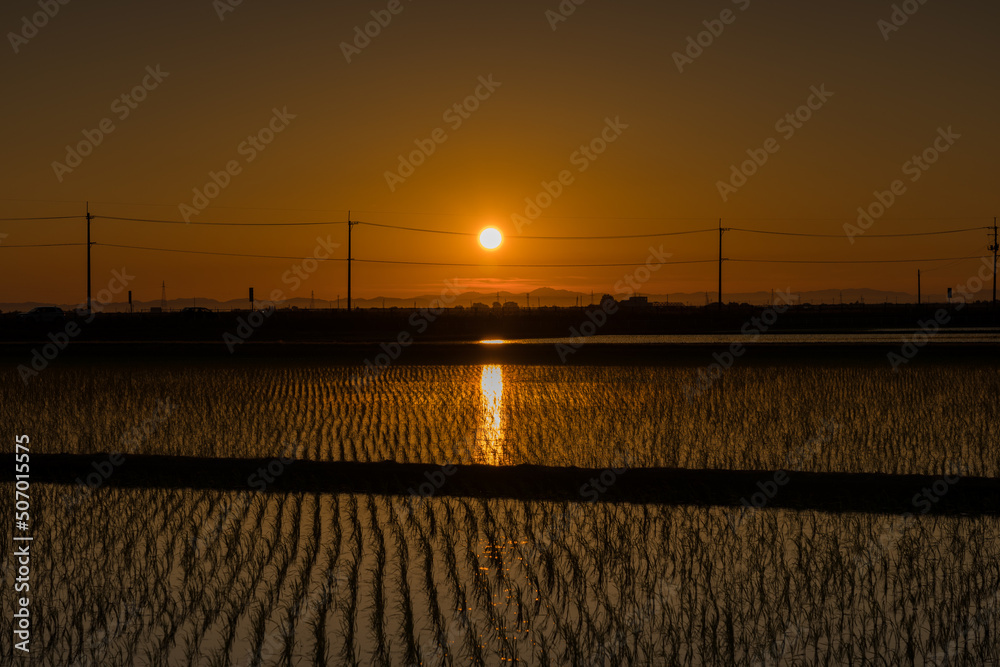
(872, 419)
(180, 576)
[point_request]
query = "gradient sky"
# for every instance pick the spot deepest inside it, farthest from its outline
(607, 60)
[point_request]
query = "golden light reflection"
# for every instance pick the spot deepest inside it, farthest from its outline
(490, 434)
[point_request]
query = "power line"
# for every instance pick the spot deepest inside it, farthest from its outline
(547, 217)
(53, 217)
(378, 261)
(225, 224)
(946, 266)
(218, 206)
(665, 218)
(720, 259)
(39, 245)
(541, 238)
(851, 261)
(522, 266)
(416, 229)
(619, 236)
(221, 254)
(861, 236)
(526, 266)
(545, 238)
(848, 219)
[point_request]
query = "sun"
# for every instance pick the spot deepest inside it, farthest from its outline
(490, 238)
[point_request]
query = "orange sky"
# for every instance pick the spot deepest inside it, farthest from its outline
(221, 80)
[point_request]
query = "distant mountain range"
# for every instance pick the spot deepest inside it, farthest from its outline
(539, 297)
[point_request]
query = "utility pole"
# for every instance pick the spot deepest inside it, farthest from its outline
(89, 218)
(721, 230)
(350, 258)
(163, 296)
(350, 226)
(994, 248)
(918, 287)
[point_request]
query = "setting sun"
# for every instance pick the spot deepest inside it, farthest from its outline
(490, 238)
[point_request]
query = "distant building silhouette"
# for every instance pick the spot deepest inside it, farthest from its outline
(636, 302)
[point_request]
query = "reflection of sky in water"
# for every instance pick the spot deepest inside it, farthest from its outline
(489, 435)
(900, 336)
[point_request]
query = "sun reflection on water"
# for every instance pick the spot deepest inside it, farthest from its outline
(490, 434)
